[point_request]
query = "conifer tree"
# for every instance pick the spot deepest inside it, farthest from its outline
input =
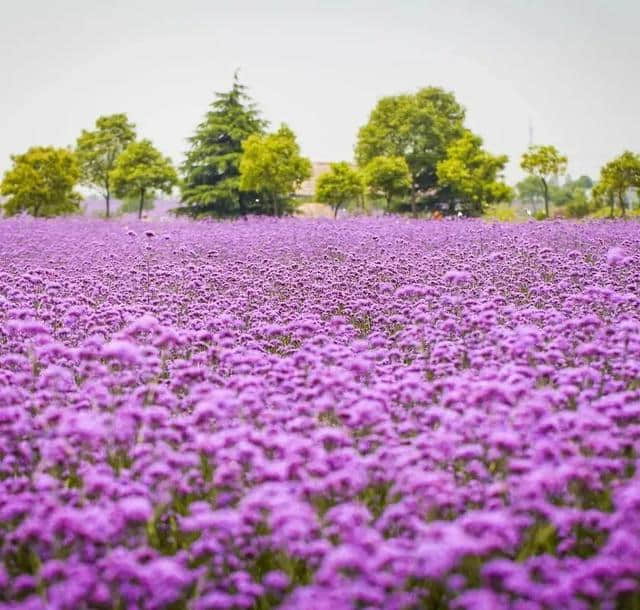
(211, 176)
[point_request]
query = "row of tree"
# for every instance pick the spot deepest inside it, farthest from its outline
(414, 153)
(578, 198)
(108, 159)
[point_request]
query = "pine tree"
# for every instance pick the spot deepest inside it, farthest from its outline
(211, 175)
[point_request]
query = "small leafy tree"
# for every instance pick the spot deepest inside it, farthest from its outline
(41, 182)
(617, 177)
(339, 185)
(543, 162)
(98, 150)
(141, 168)
(473, 174)
(272, 165)
(387, 177)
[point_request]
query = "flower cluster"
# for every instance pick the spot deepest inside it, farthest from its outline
(313, 415)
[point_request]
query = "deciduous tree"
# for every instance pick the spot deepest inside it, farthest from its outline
(142, 168)
(41, 182)
(388, 177)
(543, 162)
(473, 174)
(272, 166)
(418, 127)
(98, 150)
(339, 185)
(617, 177)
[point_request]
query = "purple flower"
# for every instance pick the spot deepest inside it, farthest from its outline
(135, 508)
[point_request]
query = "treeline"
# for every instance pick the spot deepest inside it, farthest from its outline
(414, 155)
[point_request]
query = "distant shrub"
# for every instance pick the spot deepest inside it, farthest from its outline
(578, 207)
(502, 212)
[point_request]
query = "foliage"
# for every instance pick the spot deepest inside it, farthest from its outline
(473, 174)
(41, 183)
(339, 185)
(418, 127)
(530, 191)
(502, 212)
(141, 168)
(562, 195)
(272, 166)
(98, 150)
(616, 178)
(131, 203)
(544, 162)
(583, 182)
(211, 174)
(387, 177)
(578, 206)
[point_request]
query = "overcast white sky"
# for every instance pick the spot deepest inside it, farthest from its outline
(569, 66)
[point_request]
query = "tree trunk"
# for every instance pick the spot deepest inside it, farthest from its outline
(243, 206)
(388, 210)
(108, 201)
(414, 207)
(612, 203)
(546, 197)
(623, 208)
(274, 202)
(335, 211)
(141, 204)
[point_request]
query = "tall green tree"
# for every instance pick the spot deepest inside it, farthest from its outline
(617, 177)
(418, 127)
(387, 177)
(211, 170)
(98, 150)
(41, 182)
(473, 174)
(339, 185)
(272, 166)
(544, 162)
(140, 169)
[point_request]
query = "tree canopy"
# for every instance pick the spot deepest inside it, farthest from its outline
(387, 177)
(418, 127)
(543, 162)
(473, 174)
(41, 182)
(272, 166)
(339, 185)
(141, 168)
(98, 150)
(211, 170)
(617, 177)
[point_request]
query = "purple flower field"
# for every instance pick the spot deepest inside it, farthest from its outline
(310, 415)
